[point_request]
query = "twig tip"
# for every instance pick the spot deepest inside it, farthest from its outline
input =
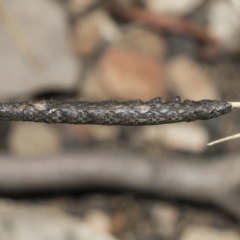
(235, 104)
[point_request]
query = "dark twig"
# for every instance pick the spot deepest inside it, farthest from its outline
(135, 112)
(167, 23)
(215, 181)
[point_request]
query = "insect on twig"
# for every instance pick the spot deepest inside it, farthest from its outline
(129, 113)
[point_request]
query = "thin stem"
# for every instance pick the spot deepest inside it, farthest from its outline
(235, 104)
(224, 139)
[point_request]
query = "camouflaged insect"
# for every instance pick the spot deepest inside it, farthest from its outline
(135, 112)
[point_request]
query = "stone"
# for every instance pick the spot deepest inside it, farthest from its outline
(86, 35)
(165, 218)
(79, 6)
(104, 133)
(186, 78)
(172, 7)
(33, 139)
(88, 133)
(188, 137)
(144, 40)
(28, 221)
(236, 5)
(36, 53)
(119, 222)
(93, 30)
(98, 220)
(208, 233)
(92, 88)
(224, 23)
(125, 74)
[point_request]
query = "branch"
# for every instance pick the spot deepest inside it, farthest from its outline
(168, 23)
(215, 181)
(135, 112)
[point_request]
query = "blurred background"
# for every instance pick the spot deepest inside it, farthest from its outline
(96, 50)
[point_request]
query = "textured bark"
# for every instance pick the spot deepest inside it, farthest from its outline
(215, 181)
(135, 112)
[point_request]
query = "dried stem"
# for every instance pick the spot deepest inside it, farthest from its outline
(224, 139)
(235, 104)
(167, 23)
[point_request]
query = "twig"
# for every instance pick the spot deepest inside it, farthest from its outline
(235, 104)
(135, 112)
(167, 23)
(216, 181)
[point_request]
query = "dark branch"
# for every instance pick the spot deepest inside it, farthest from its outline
(215, 181)
(135, 112)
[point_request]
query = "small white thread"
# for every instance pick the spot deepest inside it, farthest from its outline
(224, 139)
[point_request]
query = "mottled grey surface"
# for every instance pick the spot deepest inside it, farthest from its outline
(136, 112)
